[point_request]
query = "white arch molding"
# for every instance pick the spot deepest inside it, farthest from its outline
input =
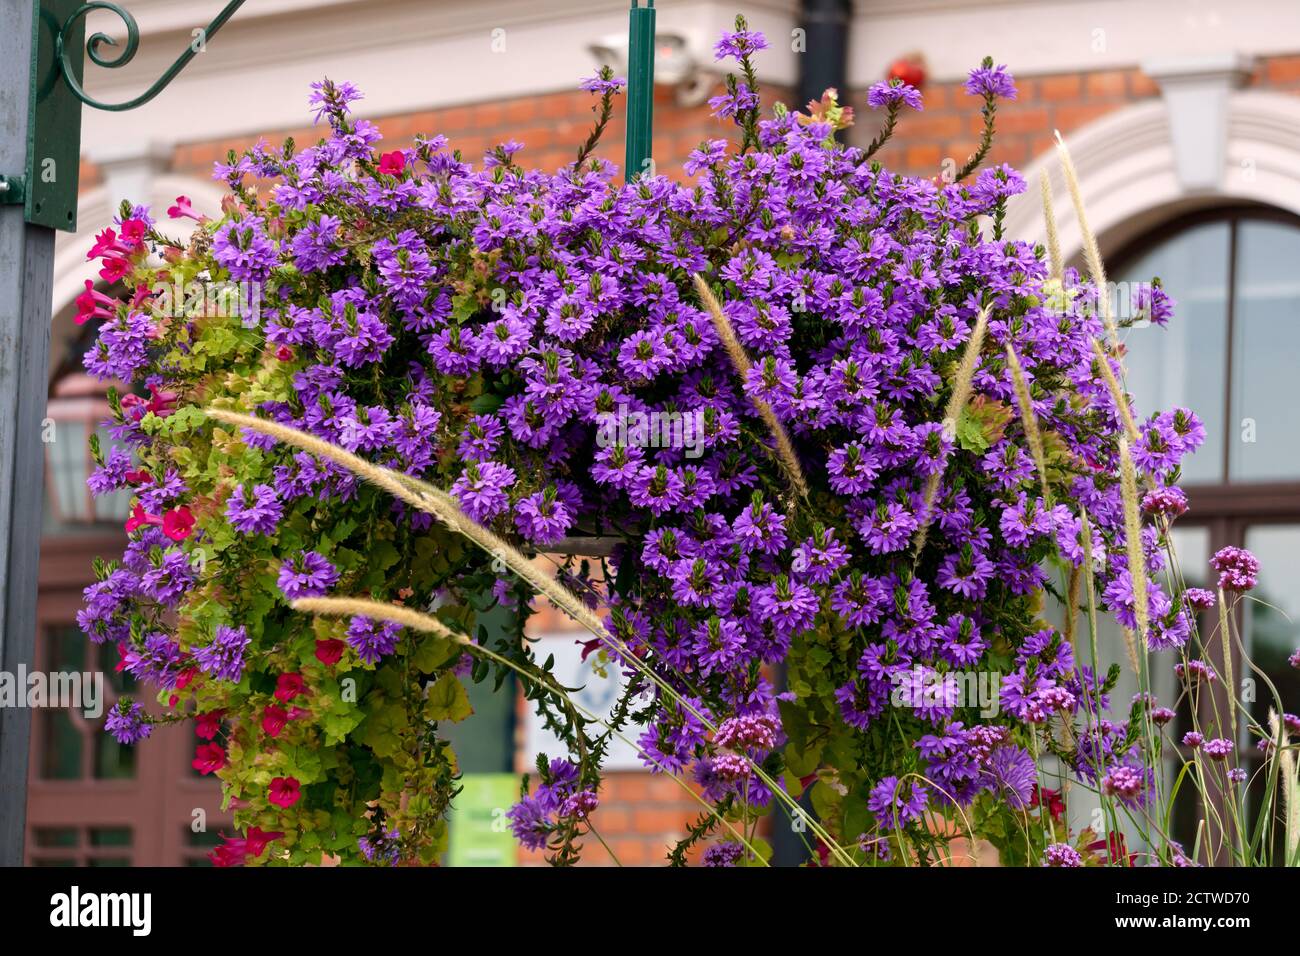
(1129, 178)
(95, 212)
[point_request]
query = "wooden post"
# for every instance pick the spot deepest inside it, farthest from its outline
(26, 283)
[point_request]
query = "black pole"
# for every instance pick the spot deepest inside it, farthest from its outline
(825, 62)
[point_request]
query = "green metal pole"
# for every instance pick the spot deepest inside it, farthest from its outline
(640, 89)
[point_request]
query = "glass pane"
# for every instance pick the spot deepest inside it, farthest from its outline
(1183, 363)
(110, 836)
(1272, 616)
(69, 460)
(1265, 428)
(51, 837)
(113, 761)
(61, 759)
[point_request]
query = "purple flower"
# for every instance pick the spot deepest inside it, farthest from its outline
(127, 722)
(256, 511)
(603, 84)
(1238, 568)
(373, 640)
(897, 803)
(1217, 749)
(223, 658)
(723, 854)
(991, 82)
(1062, 855)
(1199, 599)
(481, 489)
(242, 247)
(739, 44)
(893, 93)
(307, 574)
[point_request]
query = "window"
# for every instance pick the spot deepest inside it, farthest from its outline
(1231, 354)
(1233, 350)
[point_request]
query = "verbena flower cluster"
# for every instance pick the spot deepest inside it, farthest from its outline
(473, 327)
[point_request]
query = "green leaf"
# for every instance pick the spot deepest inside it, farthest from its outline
(432, 652)
(970, 435)
(448, 700)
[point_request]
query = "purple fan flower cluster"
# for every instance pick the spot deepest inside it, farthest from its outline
(504, 314)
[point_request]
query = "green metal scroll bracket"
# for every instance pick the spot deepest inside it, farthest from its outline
(54, 139)
(640, 89)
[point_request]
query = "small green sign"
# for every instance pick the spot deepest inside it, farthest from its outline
(480, 832)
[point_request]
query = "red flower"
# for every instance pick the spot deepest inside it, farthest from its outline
(105, 243)
(273, 720)
(133, 232)
(230, 853)
(289, 686)
(115, 270)
(329, 652)
(284, 792)
(1114, 845)
(209, 758)
(185, 677)
(207, 725)
(138, 476)
(139, 518)
(258, 839)
(392, 163)
(178, 523)
(284, 353)
(1055, 805)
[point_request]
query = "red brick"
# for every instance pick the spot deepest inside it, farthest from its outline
(1073, 117)
(923, 156)
(1065, 87)
(1283, 69)
(930, 125)
(1141, 85)
(1022, 120)
(1106, 84)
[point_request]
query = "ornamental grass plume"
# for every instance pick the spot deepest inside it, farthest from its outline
(957, 402)
(1091, 253)
(736, 352)
(430, 500)
(1029, 421)
(1053, 237)
(1289, 784)
(1136, 559)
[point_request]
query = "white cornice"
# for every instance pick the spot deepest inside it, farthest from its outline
(1036, 37)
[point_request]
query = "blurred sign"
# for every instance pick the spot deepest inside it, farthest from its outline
(480, 832)
(598, 696)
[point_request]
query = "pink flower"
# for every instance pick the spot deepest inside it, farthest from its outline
(183, 210)
(289, 686)
(273, 720)
(178, 523)
(284, 792)
(329, 652)
(258, 838)
(392, 163)
(209, 758)
(93, 305)
(207, 725)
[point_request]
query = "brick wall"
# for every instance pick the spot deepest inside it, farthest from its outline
(551, 127)
(951, 123)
